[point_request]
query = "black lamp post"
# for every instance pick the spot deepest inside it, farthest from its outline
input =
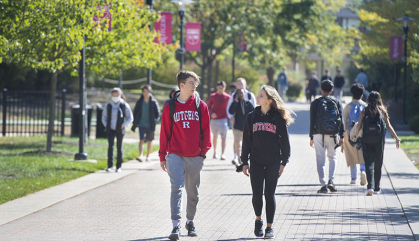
(405, 20)
(150, 3)
(181, 49)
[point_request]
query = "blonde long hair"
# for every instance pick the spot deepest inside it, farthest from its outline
(278, 104)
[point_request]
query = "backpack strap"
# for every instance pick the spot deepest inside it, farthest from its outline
(198, 108)
(249, 96)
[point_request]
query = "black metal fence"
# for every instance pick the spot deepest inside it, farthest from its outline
(27, 112)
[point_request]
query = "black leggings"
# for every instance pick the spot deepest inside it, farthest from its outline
(373, 157)
(258, 175)
(111, 143)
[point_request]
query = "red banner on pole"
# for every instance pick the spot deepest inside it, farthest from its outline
(193, 37)
(164, 26)
(396, 48)
(104, 15)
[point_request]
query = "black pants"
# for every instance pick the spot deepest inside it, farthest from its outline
(373, 157)
(111, 141)
(258, 176)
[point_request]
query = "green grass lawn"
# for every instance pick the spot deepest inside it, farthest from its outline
(24, 170)
(410, 145)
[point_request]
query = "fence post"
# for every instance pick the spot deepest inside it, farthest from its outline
(4, 111)
(63, 111)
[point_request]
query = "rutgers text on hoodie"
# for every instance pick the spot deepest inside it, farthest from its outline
(186, 138)
(265, 138)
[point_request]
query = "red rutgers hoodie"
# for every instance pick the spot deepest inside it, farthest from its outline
(185, 140)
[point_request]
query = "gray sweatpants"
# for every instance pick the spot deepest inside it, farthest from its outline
(329, 145)
(184, 172)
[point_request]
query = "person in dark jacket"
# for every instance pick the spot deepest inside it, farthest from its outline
(146, 116)
(313, 85)
(339, 82)
(172, 92)
(326, 75)
(239, 108)
(266, 141)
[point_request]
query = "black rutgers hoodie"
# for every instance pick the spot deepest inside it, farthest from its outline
(265, 138)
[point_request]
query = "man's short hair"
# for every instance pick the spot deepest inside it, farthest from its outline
(357, 90)
(313, 72)
(327, 85)
(146, 87)
(326, 70)
(338, 70)
(183, 75)
(221, 83)
(242, 79)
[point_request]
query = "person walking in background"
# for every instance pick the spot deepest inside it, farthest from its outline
(282, 83)
(266, 141)
(185, 139)
(146, 116)
(240, 108)
(116, 116)
(326, 75)
(240, 84)
(351, 114)
(313, 85)
(325, 128)
(339, 82)
(172, 92)
(362, 79)
(217, 105)
(374, 120)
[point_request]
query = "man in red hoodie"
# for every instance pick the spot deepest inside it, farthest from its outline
(183, 149)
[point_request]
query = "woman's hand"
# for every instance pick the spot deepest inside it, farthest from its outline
(398, 143)
(246, 170)
(281, 170)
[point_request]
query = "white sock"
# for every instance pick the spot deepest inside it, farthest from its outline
(188, 221)
(175, 223)
(235, 155)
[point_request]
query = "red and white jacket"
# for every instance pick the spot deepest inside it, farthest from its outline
(186, 138)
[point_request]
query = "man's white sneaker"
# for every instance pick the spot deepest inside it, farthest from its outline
(353, 181)
(109, 169)
(235, 162)
(363, 178)
(369, 192)
(140, 158)
(147, 159)
(118, 170)
(377, 192)
(222, 158)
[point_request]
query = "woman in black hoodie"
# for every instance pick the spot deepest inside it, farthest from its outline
(266, 142)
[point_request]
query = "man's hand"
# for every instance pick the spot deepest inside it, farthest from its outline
(246, 170)
(236, 99)
(122, 126)
(232, 120)
(203, 159)
(340, 141)
(312, 143)
(163, 166)
(281, 170)
(213, 115)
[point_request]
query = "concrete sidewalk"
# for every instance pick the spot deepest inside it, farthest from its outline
(136, 206)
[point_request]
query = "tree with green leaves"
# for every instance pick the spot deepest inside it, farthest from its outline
(48, 35)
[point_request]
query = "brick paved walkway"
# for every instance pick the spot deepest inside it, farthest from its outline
(136, 207)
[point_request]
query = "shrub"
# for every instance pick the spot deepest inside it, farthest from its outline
(414, 124)
(294, 90)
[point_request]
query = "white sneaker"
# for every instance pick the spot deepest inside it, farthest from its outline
(363, 178)
(235, 162)
(214, 156)
(222, 157)
(353, 181)
(147, 159)
(109, 169)
(377, 192)
(118, 170)
(140, 158)
(369, 192)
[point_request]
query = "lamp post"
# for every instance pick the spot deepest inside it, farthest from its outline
(150, 3)
(405, 20)
(181, 49)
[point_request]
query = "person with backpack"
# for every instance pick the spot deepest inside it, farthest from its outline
(116, 116)
(240, 84)
(266, 143)
(374, 120)
(351, 114)
(185, 139)
(146, 116)
(240, 108)
(326, 133)
(217, 104)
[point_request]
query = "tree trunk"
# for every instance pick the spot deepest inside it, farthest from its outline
(51, 111)
(201, 87)
(209, 83)
(217, 73)
(270, 73)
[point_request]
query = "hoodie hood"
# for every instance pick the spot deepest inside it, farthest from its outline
(258, 111)
(173, 90)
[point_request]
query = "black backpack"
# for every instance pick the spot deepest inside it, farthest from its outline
(328, 121)
(172, 112)
(373, 129)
